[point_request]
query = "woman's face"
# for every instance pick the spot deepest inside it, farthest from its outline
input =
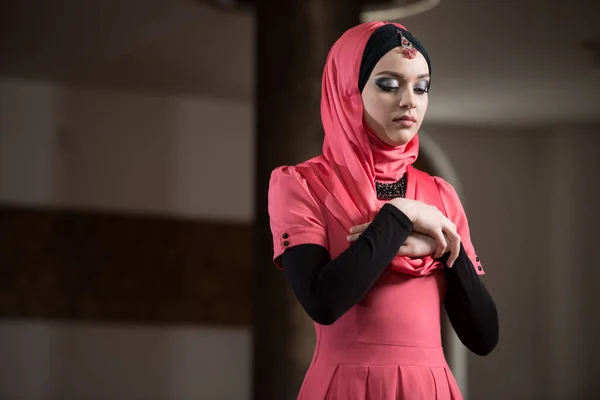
(395, 97)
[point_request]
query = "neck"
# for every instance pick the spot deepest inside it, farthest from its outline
(390, 162)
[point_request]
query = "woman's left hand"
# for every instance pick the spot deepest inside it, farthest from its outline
(416, 245)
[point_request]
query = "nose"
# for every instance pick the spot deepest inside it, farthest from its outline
(408, 100)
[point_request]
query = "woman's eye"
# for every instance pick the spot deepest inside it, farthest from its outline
(387, 85)
(422, 88)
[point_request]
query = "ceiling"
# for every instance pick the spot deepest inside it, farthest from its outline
(493, 61)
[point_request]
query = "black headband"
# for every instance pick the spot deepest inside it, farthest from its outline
(383, 40)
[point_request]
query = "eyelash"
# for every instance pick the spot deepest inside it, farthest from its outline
(388, 89)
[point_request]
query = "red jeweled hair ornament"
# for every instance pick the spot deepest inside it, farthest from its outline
(407, 48)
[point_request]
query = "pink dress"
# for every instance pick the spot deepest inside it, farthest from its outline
(388, 346)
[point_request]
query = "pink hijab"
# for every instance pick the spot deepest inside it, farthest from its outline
(343, 179)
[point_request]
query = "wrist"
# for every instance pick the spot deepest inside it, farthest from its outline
(399, 215)
(410, 211)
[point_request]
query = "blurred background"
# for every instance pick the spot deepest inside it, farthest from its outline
(136, 140)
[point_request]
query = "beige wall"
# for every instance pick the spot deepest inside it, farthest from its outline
(111, 150)
(57, 361)
(105, 150)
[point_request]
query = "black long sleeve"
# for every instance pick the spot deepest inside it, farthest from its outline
(327, 288)
(470, 307)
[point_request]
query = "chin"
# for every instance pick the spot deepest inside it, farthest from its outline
(400, 137)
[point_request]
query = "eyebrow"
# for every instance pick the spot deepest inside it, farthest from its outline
(400, 76)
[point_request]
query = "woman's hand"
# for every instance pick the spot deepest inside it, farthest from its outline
(416, 245)
(430, 221)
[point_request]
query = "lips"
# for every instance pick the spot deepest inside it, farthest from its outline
(405, 121)
(405, 118)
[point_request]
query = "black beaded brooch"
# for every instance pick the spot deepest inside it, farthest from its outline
(388, 191)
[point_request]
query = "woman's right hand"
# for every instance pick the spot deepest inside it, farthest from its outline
(430, 221)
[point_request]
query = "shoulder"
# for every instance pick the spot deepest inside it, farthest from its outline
(447, 191)
(295, 213)
(290, 189)
(293, 178)
(452, 204)
(450, 199)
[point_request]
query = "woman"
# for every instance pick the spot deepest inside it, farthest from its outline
(371, 246)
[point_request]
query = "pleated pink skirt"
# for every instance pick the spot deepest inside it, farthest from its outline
(381, 372)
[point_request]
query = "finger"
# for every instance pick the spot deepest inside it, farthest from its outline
(430, 245)
(455, 240)
(442, 245)
(404, 251)
(408, 246)
(359, 228)
(455, 251)
(450, 225)
(352, 238)
(415, 236)
(421, 237)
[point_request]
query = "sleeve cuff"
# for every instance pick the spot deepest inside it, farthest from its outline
(295, 237)
(476, 264)
(464, 256)
(398, 215)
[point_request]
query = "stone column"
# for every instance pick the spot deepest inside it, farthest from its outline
(293, 38)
